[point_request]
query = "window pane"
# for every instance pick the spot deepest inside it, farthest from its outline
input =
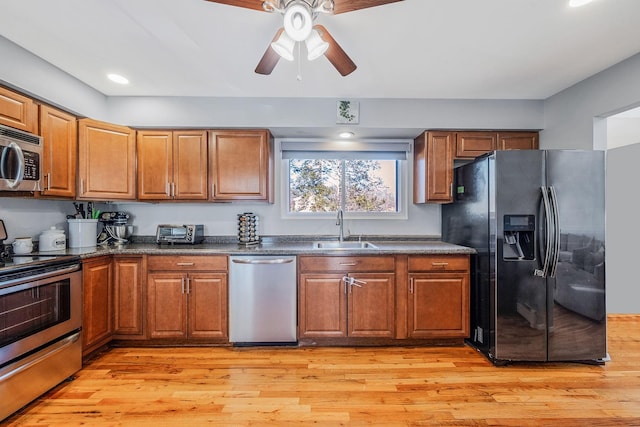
(371, 186)
(314, 185)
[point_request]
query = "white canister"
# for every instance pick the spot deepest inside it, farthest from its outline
(83, 233)
(52, 239)
(22, 245)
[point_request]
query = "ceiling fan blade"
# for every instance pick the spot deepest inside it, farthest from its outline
(342, 6)
(248, 4)
(335, 54)
(270, 58)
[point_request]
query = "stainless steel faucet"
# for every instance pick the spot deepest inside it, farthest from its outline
(340, 223)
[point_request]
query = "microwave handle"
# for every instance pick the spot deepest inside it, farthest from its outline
(13, 183)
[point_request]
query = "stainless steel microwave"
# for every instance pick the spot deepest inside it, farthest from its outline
(20, 160)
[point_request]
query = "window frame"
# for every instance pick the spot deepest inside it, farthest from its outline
(401, 194)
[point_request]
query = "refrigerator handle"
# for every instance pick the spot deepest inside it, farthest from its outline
(547, 250)
(556, 231)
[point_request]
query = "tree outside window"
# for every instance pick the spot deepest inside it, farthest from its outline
(356, 186)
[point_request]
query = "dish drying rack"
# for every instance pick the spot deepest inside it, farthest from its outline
(248, 224)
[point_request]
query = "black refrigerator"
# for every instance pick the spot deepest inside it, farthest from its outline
(537, 221)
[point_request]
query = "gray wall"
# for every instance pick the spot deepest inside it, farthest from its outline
(576, 118)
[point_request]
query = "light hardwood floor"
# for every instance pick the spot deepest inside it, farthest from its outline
(443, 386)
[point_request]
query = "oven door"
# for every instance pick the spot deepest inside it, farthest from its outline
(35, 311)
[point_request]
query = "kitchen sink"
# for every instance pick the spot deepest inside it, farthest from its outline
(343, 245)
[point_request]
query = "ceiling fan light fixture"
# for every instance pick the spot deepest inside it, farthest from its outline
(298, 21)
(284, 46)
(316, 47)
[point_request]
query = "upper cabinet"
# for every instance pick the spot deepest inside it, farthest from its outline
(60, 146)
(472, 144)
(435, 152)
(172, 165)
(18, 111)
(433, 167)
(106, 161)
(241, 165)
(517, 141)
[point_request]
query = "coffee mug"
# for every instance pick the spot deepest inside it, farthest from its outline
(22, 245)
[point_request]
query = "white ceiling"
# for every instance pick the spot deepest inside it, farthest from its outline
(465, 49)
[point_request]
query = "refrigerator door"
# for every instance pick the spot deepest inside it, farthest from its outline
(517, 223)
(576, 295)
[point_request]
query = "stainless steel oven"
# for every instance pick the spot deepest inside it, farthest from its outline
(40, 324)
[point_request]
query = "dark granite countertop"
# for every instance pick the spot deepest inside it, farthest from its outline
(278, 246)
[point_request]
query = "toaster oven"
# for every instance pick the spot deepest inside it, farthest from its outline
(188, 234)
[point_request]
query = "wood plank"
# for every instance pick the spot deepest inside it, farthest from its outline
(391, 386)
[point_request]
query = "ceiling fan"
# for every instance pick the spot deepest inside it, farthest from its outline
(298, 27)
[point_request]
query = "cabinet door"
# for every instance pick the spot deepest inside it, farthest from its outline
(60, 147)
(433, 168)
(155, 164)
(18, 111)
(167, 305)
(97, 323)
(190, 165)
(371, 307)
(470, 145)
(518, 141)
(106, 161)
(207, 305)
(322, 306)
(128, 294)
(438, 305)
(241, 165)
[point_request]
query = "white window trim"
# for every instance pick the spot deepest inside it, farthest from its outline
(402, 194)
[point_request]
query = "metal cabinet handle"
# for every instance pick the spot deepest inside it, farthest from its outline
(185, 264)
(48, 181)
(411, 285)
(348, 264)
(263, 261)
(182, 284)
(439, 264)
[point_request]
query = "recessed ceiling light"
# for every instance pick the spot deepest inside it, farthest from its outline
(118, 79)
(578, 3)
(346, 134)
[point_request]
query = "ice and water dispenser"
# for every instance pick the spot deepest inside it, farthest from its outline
(519, 237)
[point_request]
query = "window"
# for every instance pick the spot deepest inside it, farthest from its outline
(321, 179)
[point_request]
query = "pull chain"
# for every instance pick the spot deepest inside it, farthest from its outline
(299, 76)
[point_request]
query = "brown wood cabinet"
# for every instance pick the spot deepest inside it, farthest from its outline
(187, 297)
(341, 297)
(472, 144)
(438, 296)
(241, 165)
(97, 319)
(106, 161)
(60, 152)
(433, 167)
(129, 273)
(517, 140)
(172, 165)
(18, 111)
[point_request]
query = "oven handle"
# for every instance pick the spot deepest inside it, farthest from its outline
(33, 278)
(38, 357)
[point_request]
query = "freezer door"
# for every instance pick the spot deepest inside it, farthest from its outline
(576, 295)
(517, 222)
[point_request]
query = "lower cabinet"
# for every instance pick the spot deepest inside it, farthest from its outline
(343, 297)
(187, 297)
(97, 319)
(128, 296)
(438, 296)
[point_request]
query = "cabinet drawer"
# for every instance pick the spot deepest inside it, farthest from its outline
(347, 263)
(187, 263)
(439, 263)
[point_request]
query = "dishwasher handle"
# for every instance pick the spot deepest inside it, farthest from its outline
(262, 261)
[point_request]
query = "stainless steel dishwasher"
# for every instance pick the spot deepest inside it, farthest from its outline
(262, 300)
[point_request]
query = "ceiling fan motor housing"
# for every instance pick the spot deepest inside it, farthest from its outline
(298, 20)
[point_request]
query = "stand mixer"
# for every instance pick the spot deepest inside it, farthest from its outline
(115, 228)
